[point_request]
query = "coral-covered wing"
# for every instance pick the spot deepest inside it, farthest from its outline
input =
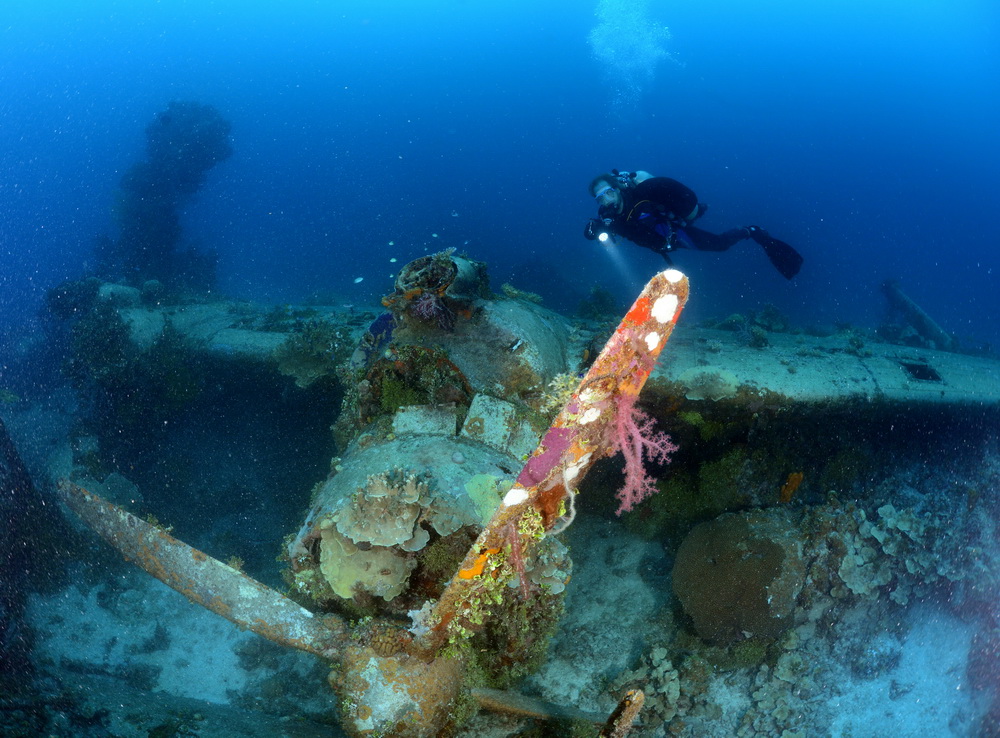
(207, 581)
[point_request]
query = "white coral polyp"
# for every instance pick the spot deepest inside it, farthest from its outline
(573, 470)
(664, 308)
(516, 496)
(673, 275)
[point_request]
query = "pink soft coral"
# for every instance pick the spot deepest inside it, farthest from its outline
(431, 309)
(634, 434)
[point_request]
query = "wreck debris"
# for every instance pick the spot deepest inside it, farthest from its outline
(578, 437)
(621, 720)
(207, 581)
(411, 684)
(922, 323)
(433, 290)
(515, 703)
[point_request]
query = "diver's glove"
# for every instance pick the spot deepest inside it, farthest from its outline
(594, 227)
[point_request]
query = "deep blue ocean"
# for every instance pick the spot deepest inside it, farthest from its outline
(863, 133)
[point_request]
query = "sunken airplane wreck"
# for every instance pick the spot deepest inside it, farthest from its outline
(364, 535)
(433, 545)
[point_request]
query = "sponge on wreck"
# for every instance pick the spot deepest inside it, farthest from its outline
(739, 575)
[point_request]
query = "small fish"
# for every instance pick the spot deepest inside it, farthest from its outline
(359, 280)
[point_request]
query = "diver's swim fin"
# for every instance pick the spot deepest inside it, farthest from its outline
(786, 260)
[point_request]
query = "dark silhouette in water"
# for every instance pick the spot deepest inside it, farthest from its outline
(182, 143)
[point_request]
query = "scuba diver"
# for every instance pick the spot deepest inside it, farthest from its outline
(657, 213)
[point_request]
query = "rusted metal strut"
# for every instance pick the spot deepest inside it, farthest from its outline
(207, 581)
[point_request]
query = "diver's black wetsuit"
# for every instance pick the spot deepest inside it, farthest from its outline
(657, 213)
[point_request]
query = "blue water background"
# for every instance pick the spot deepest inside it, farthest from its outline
(864, 133)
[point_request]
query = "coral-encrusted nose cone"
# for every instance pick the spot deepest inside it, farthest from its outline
(400, 695)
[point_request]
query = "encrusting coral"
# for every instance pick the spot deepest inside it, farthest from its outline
(854, 568)
(364, 543)
(757, 573)
(315, 349)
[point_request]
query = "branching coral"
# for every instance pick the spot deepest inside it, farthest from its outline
(638, 440)
(430, 308)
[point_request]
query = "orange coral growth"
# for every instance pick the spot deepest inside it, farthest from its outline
(478, 565)
(788, 488)
(640, 311)
(622, 719)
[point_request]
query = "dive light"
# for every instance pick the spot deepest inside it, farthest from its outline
(604, 235)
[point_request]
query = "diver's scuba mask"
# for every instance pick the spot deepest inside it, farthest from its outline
(609, 201)
(609, 197)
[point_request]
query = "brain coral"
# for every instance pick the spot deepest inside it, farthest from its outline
(739, 575)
